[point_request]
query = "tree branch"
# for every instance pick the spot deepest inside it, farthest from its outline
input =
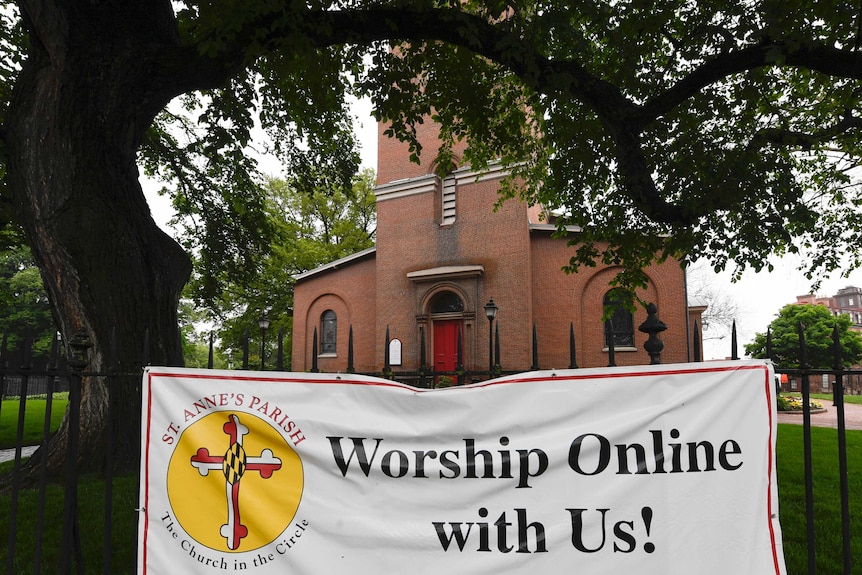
(568, 79)
(563, 79)
(453, 26)
(816, 57)
(804, 140)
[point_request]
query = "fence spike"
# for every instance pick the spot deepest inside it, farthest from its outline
(423, 360)
(350, 368)
(460, 366)
(27, 349)
(211, 355)
(734, 353)
(837, 363)
(497, 362)
(768, 342)
(696, 342)
(54, 359)
(245, 349)
(386, 358)
(609, 342)
(573, 362)
(279, 357)
(535, 366)
(314, 368)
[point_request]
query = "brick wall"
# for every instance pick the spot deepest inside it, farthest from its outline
(487, 254)
(562, 299)
(393, 157)
(410, 238)
(349, 291)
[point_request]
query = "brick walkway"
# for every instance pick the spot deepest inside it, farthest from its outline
(829, 418)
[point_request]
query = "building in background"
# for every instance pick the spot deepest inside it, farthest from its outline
(848, 301)
(444, 256)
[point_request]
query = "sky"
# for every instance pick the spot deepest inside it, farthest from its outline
(758, 297)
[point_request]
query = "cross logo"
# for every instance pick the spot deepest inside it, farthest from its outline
(234, 464)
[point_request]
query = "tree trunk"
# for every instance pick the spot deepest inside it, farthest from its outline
(84, 98)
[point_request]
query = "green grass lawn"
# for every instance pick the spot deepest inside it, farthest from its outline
(91, 505)
(34, 420)
(827, 510)
(857, 399)
(791, 485)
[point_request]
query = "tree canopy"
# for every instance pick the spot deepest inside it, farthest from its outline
(725, 130)
(311, 227)
(818, 325)
(24, 308)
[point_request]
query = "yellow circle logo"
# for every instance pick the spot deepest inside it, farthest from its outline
(234, 483)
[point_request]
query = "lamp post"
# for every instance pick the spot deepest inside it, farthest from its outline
(263, 323)
(491, 312)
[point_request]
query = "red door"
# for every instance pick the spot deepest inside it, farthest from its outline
(446, 344)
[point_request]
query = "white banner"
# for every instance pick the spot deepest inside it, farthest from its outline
(649, 470)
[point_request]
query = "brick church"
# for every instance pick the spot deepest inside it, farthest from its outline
(442, 254)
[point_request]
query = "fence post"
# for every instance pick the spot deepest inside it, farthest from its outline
(695, 343)
(459, 368)
(838, 394)
(43, 464)
(211, 352)
(80, 345)
(609, 343)
(573, 362)
(535, 366)
(113, 365)
(3, 360)
(734, 353)
(245, 339)
(279, 351)
(806, 448)
(769, 342)
(314, 368)
(422, 358)
(653, 326)
(387, 369)
(498, 365)
(350, 367)
(26, 365)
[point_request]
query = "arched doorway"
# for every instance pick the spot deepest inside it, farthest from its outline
(446, 311)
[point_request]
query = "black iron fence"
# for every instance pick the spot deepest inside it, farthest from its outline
(48, 531)
(426, 376)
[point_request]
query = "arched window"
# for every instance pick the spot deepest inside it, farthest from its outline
(621, 325)
(446, 302)
(328, 331)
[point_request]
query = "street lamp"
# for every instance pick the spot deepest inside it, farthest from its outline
(491, 312)
(263, 323)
